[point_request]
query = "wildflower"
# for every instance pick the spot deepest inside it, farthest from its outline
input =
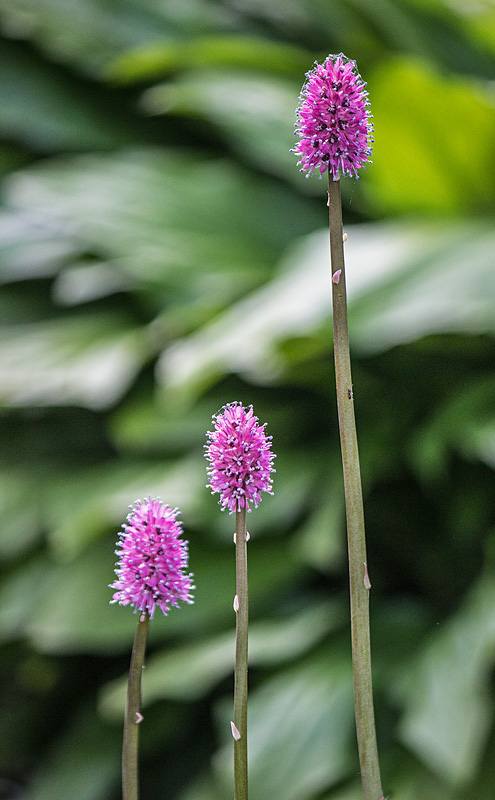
(152, 559)
(333, 120)
(240, 458)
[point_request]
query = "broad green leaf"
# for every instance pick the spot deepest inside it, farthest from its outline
(255, 112)
(47, 110)
(404, 282)
(241, 52)
(83, 762)
(168, 218)
(446, 696)
(85, 505)
(33, 245)
(89, 33)
(20, 593)
(89, 360)
(300, 728)
(191, 671)
(420, 158)
(465, 424)
(321, 538)
(21, 504)
(73, 614)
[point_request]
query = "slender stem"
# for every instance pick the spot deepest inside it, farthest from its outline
(130, 790)
(358, 574)
(241, 659)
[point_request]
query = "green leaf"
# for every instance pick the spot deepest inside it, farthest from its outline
(73, 612)
(420, 158)
(404, 282)
(20, 503)
(169, 218)
(89, 33)
(67, 116)
(78, 765)
(191, 671)
(241, 52)
(320, 542)
(21, 593)
(256, 113)
(447, 700)
(464, 424)
(32, 246)
(300, 727)
(90, 360)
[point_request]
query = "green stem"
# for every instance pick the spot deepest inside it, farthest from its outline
(241, 659)
(130, 790)
(358, 575)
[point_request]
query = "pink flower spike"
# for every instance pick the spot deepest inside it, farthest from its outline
(240, 458)
(336, 275)
(333, 120)
(152, 559)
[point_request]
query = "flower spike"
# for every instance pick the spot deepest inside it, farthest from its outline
(240, 458)
(152, 559)
(333, 121)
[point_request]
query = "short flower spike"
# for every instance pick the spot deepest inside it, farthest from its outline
(152, 559)
(333, 121)
(240, 458)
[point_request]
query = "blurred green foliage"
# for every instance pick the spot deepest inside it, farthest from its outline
(162, 255)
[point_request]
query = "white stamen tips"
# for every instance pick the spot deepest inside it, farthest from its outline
(235, 732)
(336, 276)
(367, 582)
(236, 604)
(139, 717)
(248, 536)
(344, 237)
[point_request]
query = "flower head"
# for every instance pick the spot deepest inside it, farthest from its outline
(152, 559)
(333, 120)
(240, 458)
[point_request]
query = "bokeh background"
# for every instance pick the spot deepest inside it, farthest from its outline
(161, 255)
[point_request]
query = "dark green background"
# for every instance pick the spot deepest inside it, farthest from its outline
(161, 255)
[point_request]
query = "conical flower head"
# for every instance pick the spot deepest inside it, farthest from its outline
(152, 559)
(333, 120)
(240, 458)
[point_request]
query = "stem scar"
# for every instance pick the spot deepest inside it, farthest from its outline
(367, 582)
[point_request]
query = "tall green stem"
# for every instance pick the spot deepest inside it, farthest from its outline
(241, 659)
(130, 789)
(358, 574)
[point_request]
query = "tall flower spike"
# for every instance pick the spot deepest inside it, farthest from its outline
(152, 559)
(333, 121)
(240, 458)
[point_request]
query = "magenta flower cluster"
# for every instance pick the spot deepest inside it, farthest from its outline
(240, 458)
(152, 559)
(333, 120)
